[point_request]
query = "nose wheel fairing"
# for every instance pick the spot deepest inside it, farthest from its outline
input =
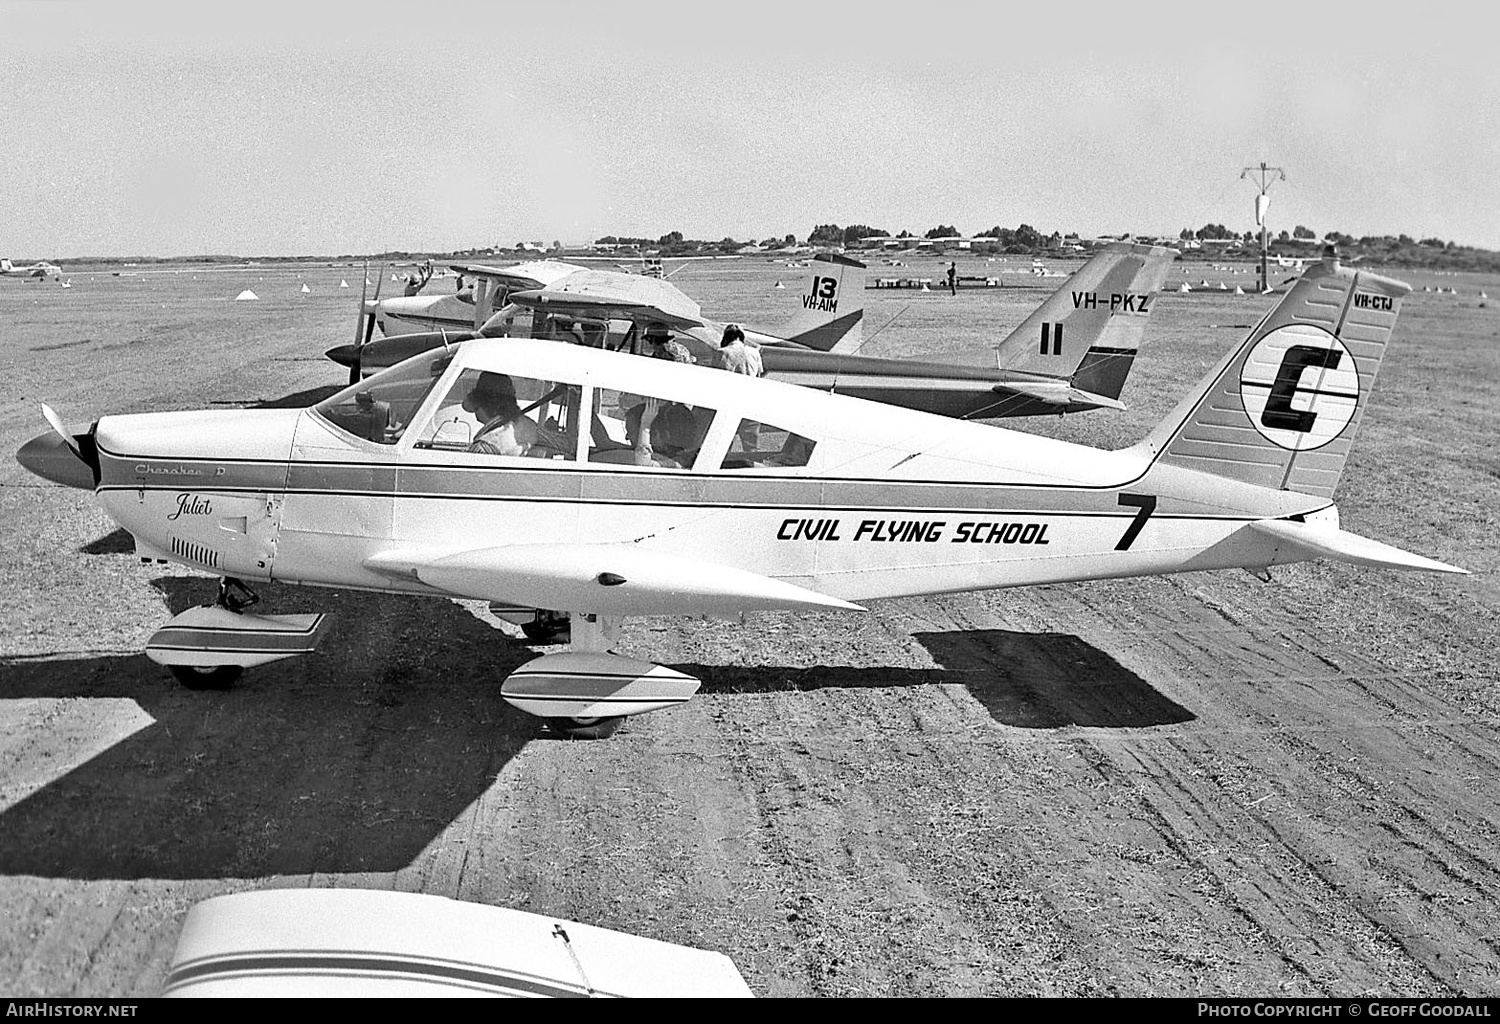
(213, 636)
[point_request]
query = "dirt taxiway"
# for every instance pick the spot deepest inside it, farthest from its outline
(1197, 785)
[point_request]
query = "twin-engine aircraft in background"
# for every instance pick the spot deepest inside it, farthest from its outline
(41, 269)
(602, 484)
(1072, 354)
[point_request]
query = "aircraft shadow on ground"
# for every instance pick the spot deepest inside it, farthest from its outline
(296, 400)
(1049, 680)
(116, 542)
(351, 759)
(301, 399)
(1027, 680)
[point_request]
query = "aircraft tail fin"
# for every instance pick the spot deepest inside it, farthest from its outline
(6, 265)
(830, 313)
(1089, 330)
(1282, 409)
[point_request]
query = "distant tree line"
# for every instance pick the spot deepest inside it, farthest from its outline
(1024, 238)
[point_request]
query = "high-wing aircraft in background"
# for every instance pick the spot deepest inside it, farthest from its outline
(605, 308)
(1072, 354)
(42, 269)
(455, 311)
(603, 484)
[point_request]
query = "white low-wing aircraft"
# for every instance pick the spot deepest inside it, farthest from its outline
(42, 269)
(603, 484)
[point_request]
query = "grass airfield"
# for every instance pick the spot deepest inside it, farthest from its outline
(1187, 786)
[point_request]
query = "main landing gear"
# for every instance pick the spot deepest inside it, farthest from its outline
(586, 691)
(585, 728)
(548, 627)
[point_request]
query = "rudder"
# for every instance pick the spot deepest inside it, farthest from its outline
(1089, 331)
(830, 313)
(1282, 410)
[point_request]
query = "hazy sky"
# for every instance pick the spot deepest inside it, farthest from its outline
(326, 128)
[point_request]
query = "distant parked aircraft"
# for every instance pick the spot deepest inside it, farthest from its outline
(42, 269)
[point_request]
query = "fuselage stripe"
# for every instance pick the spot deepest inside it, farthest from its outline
(312, 964)
(527, 499)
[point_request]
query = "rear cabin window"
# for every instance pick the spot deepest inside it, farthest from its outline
(764, 446)
(640, 430)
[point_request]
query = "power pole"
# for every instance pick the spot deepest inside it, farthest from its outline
(1262, 201)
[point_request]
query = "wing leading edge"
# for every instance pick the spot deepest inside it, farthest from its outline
(611, 579)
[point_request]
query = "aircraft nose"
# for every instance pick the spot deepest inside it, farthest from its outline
(49, 457)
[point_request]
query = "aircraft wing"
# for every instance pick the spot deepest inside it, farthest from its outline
(375, 943)
(621, 296)
(536, 274)
(1315, 541)
(616, 579)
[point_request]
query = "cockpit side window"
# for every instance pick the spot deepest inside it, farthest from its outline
(380, 408)
(764, 446)
(487, 413)
(641, 430)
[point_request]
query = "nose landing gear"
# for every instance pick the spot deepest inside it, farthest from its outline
(210, 646)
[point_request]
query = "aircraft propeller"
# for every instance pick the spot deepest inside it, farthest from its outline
(364, 321)
(44, 455)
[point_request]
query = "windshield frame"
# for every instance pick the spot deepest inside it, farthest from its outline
(401, 371)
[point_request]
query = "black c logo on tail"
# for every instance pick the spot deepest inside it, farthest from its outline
(1279, 414)
(1292, 409)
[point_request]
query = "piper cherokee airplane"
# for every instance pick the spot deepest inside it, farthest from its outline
(1072, 354)
(42, 269)
(599, 483)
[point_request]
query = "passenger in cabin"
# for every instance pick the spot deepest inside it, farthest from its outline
(664, 433)
(661, 345)
(570, 331)
(645, 417)
(504, 430)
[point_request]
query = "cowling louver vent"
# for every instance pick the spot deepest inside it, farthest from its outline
(190, 552)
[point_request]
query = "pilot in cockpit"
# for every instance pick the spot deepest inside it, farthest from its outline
(503, 429)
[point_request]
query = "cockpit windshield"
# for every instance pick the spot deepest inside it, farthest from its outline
(379, 408)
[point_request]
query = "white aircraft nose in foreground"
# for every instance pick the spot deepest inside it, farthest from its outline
(605, 485)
